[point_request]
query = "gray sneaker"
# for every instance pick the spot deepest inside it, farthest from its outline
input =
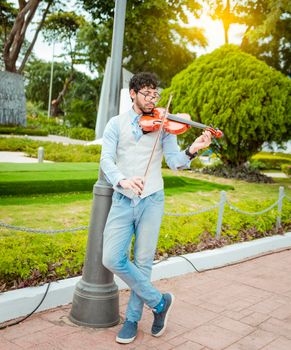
(127, 333)
(160, 319)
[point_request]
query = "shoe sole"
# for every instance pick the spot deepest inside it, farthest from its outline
(161, 332)
(125, 341)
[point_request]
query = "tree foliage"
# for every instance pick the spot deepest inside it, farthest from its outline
(81, 101)
(7, 16)
(154, 38)
(268, 28)
(63, 27)
(249, 101)
(37, 77)
(268, 33)
(79, 104)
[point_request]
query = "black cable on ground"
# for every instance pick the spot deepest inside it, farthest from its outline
(189, 261)
(226, 265)
(32, 312)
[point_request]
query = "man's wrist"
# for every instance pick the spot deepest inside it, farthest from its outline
(190, 154)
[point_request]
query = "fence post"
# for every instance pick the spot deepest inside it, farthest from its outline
(281, 196)
(40, 154)
(220, 213)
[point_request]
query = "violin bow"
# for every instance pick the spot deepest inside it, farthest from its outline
(158, 136)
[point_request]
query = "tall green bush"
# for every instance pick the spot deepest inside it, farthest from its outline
(249, 101)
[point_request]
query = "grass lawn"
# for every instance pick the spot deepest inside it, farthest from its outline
(19, 179)
(185, 191)
(27, 179)
(24, 255)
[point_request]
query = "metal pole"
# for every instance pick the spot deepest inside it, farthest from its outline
(111, 85)
(281, 196)
(220, 213)
(96, 300)
(103, 102)
(116, 57)
(51, 83)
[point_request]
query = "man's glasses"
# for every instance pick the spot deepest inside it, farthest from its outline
(149, 97)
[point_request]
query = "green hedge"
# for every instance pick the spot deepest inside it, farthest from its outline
(81, 134)
(31, 259)
(56, 152)
(15, 130)
(43, 126)
(286, 168)
(270, 161)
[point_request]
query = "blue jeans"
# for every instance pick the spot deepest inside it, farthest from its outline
(142, 220)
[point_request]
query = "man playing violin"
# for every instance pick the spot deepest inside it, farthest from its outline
(138, 203)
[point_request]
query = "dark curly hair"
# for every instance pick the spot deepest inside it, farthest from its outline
(143, 79)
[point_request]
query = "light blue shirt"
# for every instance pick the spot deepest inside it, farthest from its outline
(175, 158)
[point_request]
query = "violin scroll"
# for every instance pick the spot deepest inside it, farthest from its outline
(214, 131)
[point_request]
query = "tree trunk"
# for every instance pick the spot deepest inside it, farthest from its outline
(56, 103)
(226, 29)
(28, 52)
(226, 21)
(16, 37)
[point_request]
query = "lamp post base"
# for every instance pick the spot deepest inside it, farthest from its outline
(95, 305)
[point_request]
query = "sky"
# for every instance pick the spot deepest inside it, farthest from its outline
(213, 32)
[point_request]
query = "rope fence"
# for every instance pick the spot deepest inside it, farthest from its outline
(220, 206)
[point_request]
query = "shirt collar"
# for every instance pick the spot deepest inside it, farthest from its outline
(133, 115)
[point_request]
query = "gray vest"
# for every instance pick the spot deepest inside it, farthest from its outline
(133, 156)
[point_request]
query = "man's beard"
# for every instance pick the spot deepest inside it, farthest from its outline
(147, 108)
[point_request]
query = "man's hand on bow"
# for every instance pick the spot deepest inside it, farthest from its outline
(135, 183)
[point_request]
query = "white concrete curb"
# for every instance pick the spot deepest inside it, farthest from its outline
(21, 302)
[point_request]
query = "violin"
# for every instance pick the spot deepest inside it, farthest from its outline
(172, 123)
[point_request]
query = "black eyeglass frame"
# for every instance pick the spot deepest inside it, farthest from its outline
(149, 98)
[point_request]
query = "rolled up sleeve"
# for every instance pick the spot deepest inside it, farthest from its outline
(175, 158)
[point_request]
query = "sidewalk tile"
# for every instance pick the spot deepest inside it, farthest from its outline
(253, 341)
(25, 328)
(236, 315)
(212, 336)
(190, 316)
(177, 341)
(283, 312)
(44, 346)
(232, 325)
(279, 344)
(189, 345)
(266, 306)
(7, 345)
(255, 318)
(275, 326)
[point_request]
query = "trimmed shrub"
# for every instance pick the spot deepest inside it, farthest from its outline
(81, 134)
(23, 131)
(286, 168)
(56, 152)
(244, 97)
(271, 161)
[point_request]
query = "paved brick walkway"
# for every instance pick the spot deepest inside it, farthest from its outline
(241, 307)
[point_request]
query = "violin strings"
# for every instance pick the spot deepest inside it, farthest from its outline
(158, 136)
